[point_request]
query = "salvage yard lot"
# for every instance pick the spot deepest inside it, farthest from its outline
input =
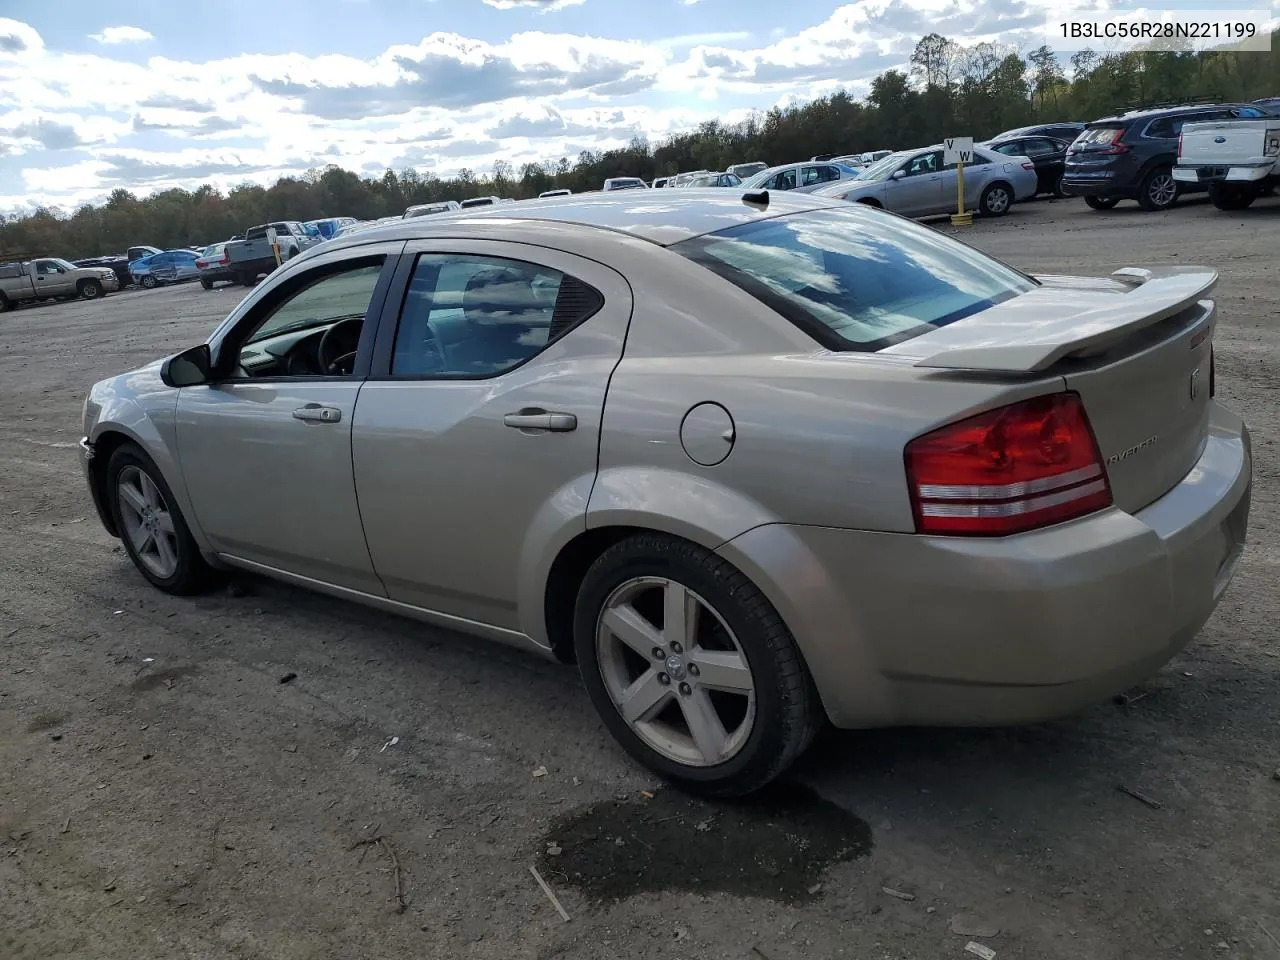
(191, 778)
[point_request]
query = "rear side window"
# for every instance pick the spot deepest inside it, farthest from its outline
(856, 279)
(470, 316)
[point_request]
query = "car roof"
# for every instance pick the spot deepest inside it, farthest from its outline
(1130, 116)
(655, 217)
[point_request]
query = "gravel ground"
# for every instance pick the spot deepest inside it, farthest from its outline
(165, 792)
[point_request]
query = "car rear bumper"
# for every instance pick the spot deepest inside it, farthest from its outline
(1235, 173)
(904, 629)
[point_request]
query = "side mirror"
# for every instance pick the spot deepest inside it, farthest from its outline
(897, 175)
(187, 369)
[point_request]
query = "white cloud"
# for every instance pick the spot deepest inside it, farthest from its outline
(114, 35)
(542, 6)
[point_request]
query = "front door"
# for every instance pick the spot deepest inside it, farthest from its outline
(477, 436)
(52, 279)
(266, 448)
(920, 191)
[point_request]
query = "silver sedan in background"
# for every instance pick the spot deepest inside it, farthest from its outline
(801, 177)
(917, 183)
(752, 462)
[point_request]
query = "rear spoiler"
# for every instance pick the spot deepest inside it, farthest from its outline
(1020, 336)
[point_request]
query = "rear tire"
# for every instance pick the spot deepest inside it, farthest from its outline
(4, 303)
(89, 289)
(760, 711)
(1231, 196)
(178, 568)
(996, 200)
(1058, 192)
(1101, 203)
(148, 282)
(207, 284)
(1159, 191)
(248, 279)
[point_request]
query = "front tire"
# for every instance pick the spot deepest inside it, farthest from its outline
(89, 289)
(1100, 203)
(996, 200)
(729, 704)
(151, 526)
(1231, 196)
(1159, 191)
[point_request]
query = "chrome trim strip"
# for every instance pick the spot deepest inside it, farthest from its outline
(931, 491)
(1012, 508)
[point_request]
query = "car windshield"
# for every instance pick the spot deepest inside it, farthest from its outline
(881, 169)
(855, 279)
(760, 177)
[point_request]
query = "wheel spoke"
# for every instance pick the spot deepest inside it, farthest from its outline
(704, 724)
(164, 519)
(679, 615)
(723, 670)
(632, 629)
(140, 537)
(150, 492)
(165, 553)
(133, 497)
(644, 698)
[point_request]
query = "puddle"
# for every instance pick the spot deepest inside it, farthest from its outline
(775, 845)
(161, 678)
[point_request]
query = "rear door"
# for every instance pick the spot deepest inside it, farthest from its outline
(475, 440)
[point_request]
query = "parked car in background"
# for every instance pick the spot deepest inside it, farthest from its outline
(1049, 156)
(479, 202)
(120, 262)
(1066, 131)
(328, 227)
(804, 177)
(746, 170)
(661, 182)
(1271, 104)
(52, 278)
(1237, 161)
(1131, 156)
(624, 183)
(561, 192)
(429, 209)
(253, 256)
(170, 266)
(872, 156)
(736, 533)
(916, 183)
(214, 265)
(715, 180)
(680, 179)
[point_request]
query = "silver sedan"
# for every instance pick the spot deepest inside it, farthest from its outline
(752, 463)
(917, 183)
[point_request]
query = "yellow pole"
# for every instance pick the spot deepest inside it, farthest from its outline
(961, 218)
(275, 248)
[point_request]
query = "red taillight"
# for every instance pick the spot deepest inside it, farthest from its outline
(1028, 165)
(200, 264)
(1019, 467)
(1116, 146)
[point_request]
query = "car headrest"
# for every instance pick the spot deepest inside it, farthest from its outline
(499, 297)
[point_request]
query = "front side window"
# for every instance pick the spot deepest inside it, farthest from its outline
(314, 330)
(787, 180)
(924, 163)
(473, 316)
(854, 280)
(47, 267)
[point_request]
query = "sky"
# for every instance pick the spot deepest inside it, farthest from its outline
(96, 96)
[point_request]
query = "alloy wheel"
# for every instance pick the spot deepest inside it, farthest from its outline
(675, 671)
(997, 200)
(1162, 190)
(148, 522)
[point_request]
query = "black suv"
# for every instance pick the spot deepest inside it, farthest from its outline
(1131, 156)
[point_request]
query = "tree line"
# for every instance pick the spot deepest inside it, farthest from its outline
(949, 90)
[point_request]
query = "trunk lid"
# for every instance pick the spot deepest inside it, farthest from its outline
(1224, 142)
(1137, 348)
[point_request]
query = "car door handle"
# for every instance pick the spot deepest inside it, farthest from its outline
(318, 414)
(541, 420)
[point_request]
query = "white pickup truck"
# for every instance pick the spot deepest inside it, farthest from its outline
(1238, 160)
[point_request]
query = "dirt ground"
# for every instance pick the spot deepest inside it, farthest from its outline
(165, 792)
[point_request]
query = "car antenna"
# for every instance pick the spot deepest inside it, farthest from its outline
(756, 196)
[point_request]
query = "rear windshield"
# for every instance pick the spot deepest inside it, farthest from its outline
(857, 279)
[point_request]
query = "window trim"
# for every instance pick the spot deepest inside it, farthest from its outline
(232, 337)
(383, 353)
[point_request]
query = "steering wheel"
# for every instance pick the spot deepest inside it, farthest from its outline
(334, 350)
